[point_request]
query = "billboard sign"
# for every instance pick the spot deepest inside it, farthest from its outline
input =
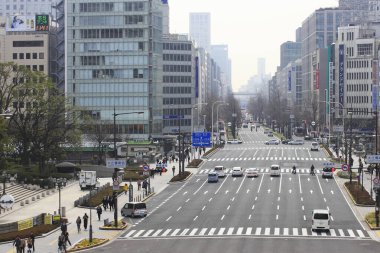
(201, 139)
(341, 74)
(20, 23)
(290, 80)
(42, 22)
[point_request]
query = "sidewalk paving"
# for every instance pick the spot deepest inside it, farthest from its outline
(49, 204)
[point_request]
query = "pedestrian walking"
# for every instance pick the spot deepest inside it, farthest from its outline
(67, 239)
(105, 203)
(85, 221)
(64, 227)
(22, 245)
(111, 202)
(61, 243)
(145, 186)
(32, 236)
(125, 188)
(294, 171)
(79, 222)
(173, 169)
(99, 212)
(17, 244)
(29, 245)
(139, 184)
(312, 170)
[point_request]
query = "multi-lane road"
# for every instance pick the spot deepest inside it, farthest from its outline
(240, 214)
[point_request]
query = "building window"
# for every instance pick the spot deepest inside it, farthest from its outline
(34, 55)
(41, 68)
(34, 67)
(14, 56)
(364, 49)
(41, 56)
(27, 55)
(21, 56)
(34, 43)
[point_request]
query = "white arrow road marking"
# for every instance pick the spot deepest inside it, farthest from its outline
(196, 217)
(168, 218)
(179, 208)
(203, 208)
(187, 200)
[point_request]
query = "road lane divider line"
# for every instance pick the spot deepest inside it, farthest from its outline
(200, 187)
(222, 217)
(196, 217)
(203, 208)
(179, 208)
(261, 181)
(221, 184)
(249, 217)
(168, 218)
(210, 200)
(228, 207)
(320, 186)
(276, 216)
(299, 180)
(242, 181)
(279, 189)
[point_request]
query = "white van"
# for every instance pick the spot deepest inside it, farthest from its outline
(220, 170)
(320, 219)
(275, 170)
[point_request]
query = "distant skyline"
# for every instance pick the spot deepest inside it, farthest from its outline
(252, 29)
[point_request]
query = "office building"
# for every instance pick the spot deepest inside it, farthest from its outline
(200, 29)
(26, 7)
(289, 52)
(220, 54)
(114, 60)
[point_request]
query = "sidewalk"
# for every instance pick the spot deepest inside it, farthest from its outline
(48, 244)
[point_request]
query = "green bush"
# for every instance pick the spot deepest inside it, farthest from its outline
(360, 195)
(37, 231)
(370, 218)
(346, 175)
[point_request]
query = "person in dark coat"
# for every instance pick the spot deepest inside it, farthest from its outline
(17, 244)
(105, 203)
(99, 212)
(110, 202)
(85, 221)
(33, 238)
(64, 227)
(79, 222)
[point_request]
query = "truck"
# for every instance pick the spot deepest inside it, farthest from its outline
(87, 180)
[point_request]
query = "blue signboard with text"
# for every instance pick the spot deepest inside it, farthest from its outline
(201, 139)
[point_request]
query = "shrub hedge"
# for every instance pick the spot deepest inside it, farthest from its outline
(37, 231)
(180, 177)
(194, 163)
(361, 197)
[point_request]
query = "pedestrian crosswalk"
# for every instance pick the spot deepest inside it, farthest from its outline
(267, 158)
(263, 170)
(273, 147)
(245, 231)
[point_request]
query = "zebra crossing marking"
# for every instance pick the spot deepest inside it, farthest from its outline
(221, 230)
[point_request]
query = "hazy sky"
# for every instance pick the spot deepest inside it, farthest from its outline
(251, 28)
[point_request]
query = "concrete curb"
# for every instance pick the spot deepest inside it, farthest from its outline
(88, 247)
(210, 154)
(200, 165)
(370, 226)
(112, 228)
(181, 181)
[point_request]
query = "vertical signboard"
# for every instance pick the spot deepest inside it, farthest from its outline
(197, 77)
(341, 74)
(289, 80)
(42, 23)
(375, 80)
(374, 98)
(317, 79)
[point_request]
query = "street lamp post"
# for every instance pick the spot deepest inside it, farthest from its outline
(115, 154)
(217, 117)
(212, 120)
(350, 150)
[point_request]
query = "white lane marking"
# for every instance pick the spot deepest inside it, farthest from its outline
(286, 231)
(139, 233)
(222, 217)
(313, 233)
(320, 186)
(269, 152)
(260, 184)
(205, 192)
(192, 233)
(228, 207)
(323, 234)
(279, 189)
(341, 233)
(212, 231)
(226, 192)
(168, 218)
(249, 231)
(304, 232)
(148, 233)
(360, 233)
(221, 231)
(233, 199)
(295, 231)
(203, 208)
(276, 216)
(187, 200)
(302, 199)
(351, 233)
(210, 200)
(332, 232)
(196, 217)
(234, 179)
(249, 217)
(303, 208)
(278, 198)
(276, 231)
(248, 189)
(185, 192)
(203, 231)
(267, 231)
(253, 207)
(157, 233)
(328, 208)
(255, 198)
(304, 217)
(242, 181)
(239, 231)
(200, 187)
(230, 231)
(324, 199)
(179, 208)
(175, 232)
(184, 232)
(278, 207)
(258, 231)
(332, 192)
(299, 180)
(130, 233)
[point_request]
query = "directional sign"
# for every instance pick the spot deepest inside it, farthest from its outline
(373, 159)
(345, 167)
(7, 201)
(116, 163)
(201, 139)
(161, 165)
(146, 167)
(329, 165)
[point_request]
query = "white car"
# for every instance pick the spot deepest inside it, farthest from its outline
(235, 141)
(252, 172)
(220, 170)
(272, 142)
(275, 170)
(237, 172)
(314, 146)
(296, 142)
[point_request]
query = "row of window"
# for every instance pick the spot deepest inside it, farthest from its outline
(112, 101)
(28, 43)
(111, 73)
(111, 47)
(27, 105)
(176, 57)
(112, 60)
(365, 49)
(177, 90)
(177, 68)
(177, 79)
(110, 7)
(111, 20)
(28, 56)
(357, 87)
(358, 64)
(359, 76)
(177, 111)
(177, 46)
(177, 101)
(36, 67)
(111, 33)
(175, 122)
(360, 111)
(112, 88)
(357, 99)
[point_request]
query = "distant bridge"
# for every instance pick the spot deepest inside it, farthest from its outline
(244, 94)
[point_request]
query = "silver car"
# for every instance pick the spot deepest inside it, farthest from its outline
(272, 142)
(237, 172)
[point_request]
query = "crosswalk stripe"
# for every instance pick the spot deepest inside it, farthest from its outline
(203, 231)
(253, 158)
(320, 159)
(304, 232)
(307, 159)
(221, 231)
(323, 234)
(184, 232)
(230, 231)
(318, 171)
(193, 232)
(148, 233)
(332, 232)
(175, 232)
(286, 231)
(157, 233)
(139, 233)
(360, 233)
(341, 233)
(258, 231)
(239, 231)
(212, 231)
(287, 170)
(295, 231)
(167, 231)
(284, 158)
(249, 231)
(130, 233)
(249, 158)
(276, 231)
(351, 233)
(267, 231)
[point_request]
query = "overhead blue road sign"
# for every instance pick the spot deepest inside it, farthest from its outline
(201, 139)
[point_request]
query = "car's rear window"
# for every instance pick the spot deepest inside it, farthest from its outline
(327, 169)
(141, 206)
(218, 168)
(321, 216)
(274, 168)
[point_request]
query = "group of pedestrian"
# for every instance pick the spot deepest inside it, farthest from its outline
(108, 202)
(21, 244)
(79, 222)
(63, 238)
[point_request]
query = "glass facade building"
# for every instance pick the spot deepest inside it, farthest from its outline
(114, 60)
